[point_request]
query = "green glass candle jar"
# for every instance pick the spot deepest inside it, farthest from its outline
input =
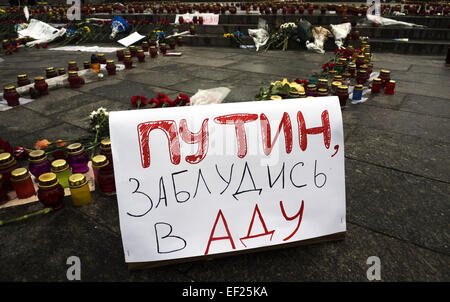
(61, 168)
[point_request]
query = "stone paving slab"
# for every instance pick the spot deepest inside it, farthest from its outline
(396, 172)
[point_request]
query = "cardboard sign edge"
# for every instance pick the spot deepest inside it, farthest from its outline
(154, 264)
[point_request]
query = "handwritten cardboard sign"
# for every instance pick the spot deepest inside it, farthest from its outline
(212, 179)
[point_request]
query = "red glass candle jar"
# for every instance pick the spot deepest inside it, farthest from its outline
(352, 69)
(40, 85)
(105, 149)
(376, 86)
(128, 62)
(77, 158)
(359, 60)
(86, 65)
(322, 92)
(322, 84)
(153, 52)
(163, 48)
(390, 87)
(133, 50)
(22, 183)
(362, 76)
(195, 19)
(172, 43)
(144, 46)
(342, 93)
(38, 163)
(311, 90)
(22, 80)
(334, 87)
(180, 41)
(120, 55)
(200, 20)
(50, 192)
(111, 67)
(7, 165)
(50, 72)
(385, 76)
(153, 42)
(61, 71)
(5, 44)
(75, 80)
(140, 55)
(101, 58)
(72, 66)
(11, 95)
(181, 20)
(105, 174)
(3, 191)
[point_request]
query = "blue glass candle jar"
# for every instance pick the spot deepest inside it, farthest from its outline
(357, 92)
(38, 163)
(77, 158)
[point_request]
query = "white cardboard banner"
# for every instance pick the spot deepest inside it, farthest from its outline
(203, 180)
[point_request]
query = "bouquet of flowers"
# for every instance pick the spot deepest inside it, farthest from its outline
(281, 37)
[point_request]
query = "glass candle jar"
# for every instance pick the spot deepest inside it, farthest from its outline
(11, 95)
(128, 62)
(322, 83)
(50, 72)
(334, 87)
(50, 192)
(7, 165)
(153, 42)
(357, 92)
(140, 55)
(339, 67)
(385, 76)
(337, 78)
(86, 65)
(72, 66)
(77, 158)
(322, 92)
(302, 94)
(79, 188)
(145, 46)
(101, 58)
(105, 174)
(38, 163)
(105, 149)
(62, 171)
(153, 52)
(180, 41)
(362, 76)
(352, 69)
(390, 87)
(40, 85)
(342, 93)
(311, 90)
(111, 67)
(359, 60)
(22, 80)
(74, 79)
(172, 43)
(163, 48)
(376, 86)
(22, 183)
(331, 74)
(192, 30)
(133, 50)
(61, 71)
(5, 44)
(120, 55)
(95, 64)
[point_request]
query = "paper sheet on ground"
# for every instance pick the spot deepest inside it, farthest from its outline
(130, 39)
(87, 48)
(41, 32)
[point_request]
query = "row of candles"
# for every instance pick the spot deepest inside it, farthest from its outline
(11, 95)
(53, 177)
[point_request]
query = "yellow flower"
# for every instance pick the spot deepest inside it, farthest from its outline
(87, 29)
(2, 11)
(297, 87)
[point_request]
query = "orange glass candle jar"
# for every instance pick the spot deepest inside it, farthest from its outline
(11, 95)
(22, 183)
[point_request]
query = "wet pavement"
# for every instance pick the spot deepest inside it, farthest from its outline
(397, 171)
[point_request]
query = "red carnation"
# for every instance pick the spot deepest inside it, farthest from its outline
(155, 103)
(5, 146)
(138, 101)
(182, 100)
(20, 152)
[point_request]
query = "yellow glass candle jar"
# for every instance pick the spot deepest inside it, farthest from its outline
(79, 188)
(61, 168)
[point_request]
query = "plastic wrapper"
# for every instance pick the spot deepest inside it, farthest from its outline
(260, 36)
(118, 25)
(340, 32)
(210, 96)
(320, 35)
(378, 20)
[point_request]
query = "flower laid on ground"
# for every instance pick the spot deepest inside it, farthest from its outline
(20, 152)
(138, 101)
(236, 36)
(42, 144)
(279, 90)
(182, 100)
